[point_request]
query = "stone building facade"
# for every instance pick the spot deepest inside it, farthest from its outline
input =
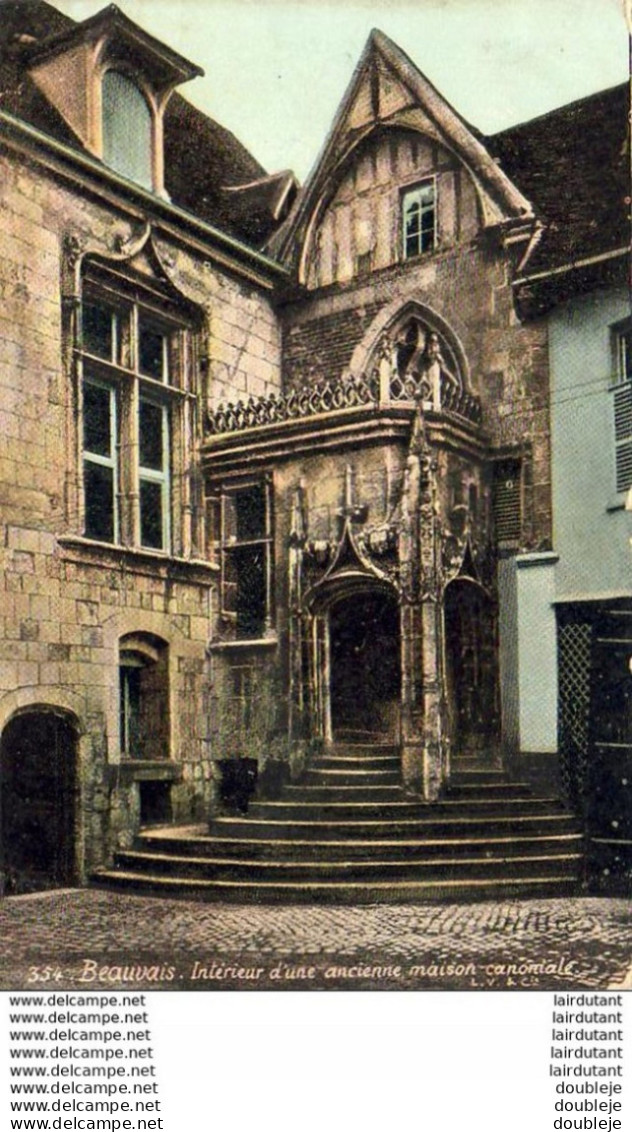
(268, 458)
(119, 311)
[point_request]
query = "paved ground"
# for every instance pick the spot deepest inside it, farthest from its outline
(89, 939)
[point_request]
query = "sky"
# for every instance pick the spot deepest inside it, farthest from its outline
(275, 72)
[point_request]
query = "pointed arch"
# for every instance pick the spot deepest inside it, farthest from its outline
(392, 319)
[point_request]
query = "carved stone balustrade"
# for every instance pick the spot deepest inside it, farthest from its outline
(347, 392)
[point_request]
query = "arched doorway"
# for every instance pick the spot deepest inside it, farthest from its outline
(364, 665)
(470, 652)
(38, 770)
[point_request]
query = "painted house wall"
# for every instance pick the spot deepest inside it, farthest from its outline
(591, 528)
(537, 654)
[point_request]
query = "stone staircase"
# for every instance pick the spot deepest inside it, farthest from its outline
(349, 834)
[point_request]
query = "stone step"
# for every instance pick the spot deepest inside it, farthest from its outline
(200, 843)
(328, 793)
(334, 776)
(333, 809)
(500, 789)
(394, 827)
(357, 762)
(349, 833)
(336, 892)
(371, 869)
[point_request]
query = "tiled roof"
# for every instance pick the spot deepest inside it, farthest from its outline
(573, 164)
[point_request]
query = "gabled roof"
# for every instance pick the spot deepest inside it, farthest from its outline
(574, 164)
(387, 88)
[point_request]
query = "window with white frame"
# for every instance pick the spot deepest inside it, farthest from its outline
(242, 522)
(132, 358)
(622, 402)
(419, 219)
(127, 127)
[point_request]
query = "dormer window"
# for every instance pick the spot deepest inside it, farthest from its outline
(419, 219)
(127, 128)
(111, 83)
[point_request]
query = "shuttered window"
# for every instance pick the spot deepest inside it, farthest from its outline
(622, 399)
(623, 435)
(507, 502)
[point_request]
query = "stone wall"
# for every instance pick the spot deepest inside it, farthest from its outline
(469, 287)
(65, 604)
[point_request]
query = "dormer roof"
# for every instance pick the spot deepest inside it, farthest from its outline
(163, 66)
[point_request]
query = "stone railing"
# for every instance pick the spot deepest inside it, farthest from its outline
(347, 392)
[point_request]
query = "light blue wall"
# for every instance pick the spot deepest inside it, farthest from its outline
(591, 539)
(537, 652)
(591, 530)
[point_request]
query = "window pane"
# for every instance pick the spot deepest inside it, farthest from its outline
(151, 515)
(250, 596)
(419, 219)
(626, 357)
(97, 326)
(152, 352)
(131, 738)
(151, 437)
(126, 129)
(99, 501)
(97, 419)
(250, 513)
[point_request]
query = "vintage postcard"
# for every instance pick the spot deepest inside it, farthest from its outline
(316, 495)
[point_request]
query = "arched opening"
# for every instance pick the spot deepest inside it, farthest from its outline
(38, 782)
(143, 697)
(364, 660)
(127, 128)
(144, 718)
(471, 671)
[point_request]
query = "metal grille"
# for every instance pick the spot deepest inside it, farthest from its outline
(574, 647)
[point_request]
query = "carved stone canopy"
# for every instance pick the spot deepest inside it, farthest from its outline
(421, 362)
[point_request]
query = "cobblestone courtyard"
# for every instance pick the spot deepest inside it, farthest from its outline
(101, 940)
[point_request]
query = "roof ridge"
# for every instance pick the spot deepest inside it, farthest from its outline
(624, 85)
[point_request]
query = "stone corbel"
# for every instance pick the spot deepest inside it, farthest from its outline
(298, 521)
(74, 249)
(319, 551)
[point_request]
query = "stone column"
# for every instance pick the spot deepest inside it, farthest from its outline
(297, 691)
(423, 701)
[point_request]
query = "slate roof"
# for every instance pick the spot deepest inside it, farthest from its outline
(201, 157)
(573, 164)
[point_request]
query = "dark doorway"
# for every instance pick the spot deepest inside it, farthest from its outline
(155, 803)
(37, 788)
(365, 667)
(471, 671)
(608, 796)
